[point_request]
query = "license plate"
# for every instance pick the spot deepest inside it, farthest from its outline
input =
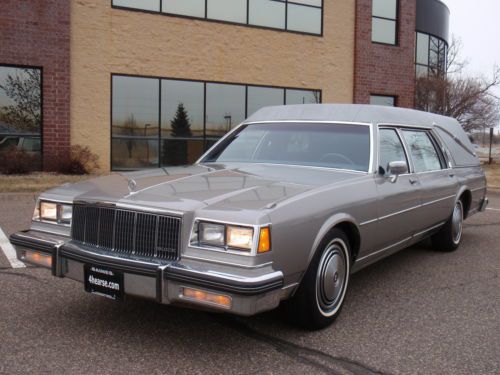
(103, 281)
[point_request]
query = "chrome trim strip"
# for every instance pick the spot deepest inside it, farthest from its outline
(224, 263)
(399, 212)
(384, 249)
(479, 188)
(131, 207)
(368, 222)
(437, 200)
(428, 229)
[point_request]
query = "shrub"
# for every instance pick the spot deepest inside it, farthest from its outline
(79, 161)
(14, 161)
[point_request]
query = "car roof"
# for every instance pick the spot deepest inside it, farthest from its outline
(360, 113)
(448, 128)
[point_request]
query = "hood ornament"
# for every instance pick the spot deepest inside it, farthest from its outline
(132, 185)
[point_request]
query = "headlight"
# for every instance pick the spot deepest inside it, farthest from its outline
(57, 213)
(212, 234)
(226, 236)
(240, 237)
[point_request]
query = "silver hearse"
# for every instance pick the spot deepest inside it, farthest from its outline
(285, 207)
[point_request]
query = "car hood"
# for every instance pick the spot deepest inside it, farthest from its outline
(221, 186)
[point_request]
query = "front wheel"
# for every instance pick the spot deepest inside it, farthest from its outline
(321, 294)
(449, 237)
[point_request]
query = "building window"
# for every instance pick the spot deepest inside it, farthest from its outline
(385, 21)
(21, 112)
(163, 122)
(303, 16)
(385, 100)
(430, 55)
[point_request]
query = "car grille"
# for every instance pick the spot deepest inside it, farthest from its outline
(128, 232)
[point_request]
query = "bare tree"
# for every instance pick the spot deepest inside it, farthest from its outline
(25, 91)
(454, 93)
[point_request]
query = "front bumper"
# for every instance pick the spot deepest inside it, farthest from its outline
(252, 290)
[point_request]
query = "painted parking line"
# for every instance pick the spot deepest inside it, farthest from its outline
(9, 251)
(493, 209)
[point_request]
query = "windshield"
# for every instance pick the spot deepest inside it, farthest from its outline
(339, 146)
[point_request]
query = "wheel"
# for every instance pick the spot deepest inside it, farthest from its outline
(320, 296)
(449, 237)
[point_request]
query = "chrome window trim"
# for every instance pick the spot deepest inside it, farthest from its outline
(131, 207)
(408, 159)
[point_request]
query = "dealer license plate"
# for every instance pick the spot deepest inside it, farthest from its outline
(103, 281)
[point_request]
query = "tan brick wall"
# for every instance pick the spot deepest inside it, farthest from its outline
(106, 40)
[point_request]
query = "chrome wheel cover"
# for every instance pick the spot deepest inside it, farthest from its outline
(332, 277)
(457, 220)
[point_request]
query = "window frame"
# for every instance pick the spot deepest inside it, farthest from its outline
(246, 24)
(442, 160)
(159, 137)
(430, 67)
(41, 133)
(396, 31)
(409, 162)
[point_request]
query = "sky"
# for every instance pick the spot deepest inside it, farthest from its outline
(477, 24)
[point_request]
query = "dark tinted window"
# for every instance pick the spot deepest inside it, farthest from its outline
(321, 145)
(391, 148)
(259, 97)
(225, 108)
(21, 111)
(424, 155)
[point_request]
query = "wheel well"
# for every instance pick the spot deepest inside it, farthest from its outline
(353, 235)
(466, 199)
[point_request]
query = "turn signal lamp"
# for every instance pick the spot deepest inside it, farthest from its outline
(264, 240)
(37, 258)
(207, 297)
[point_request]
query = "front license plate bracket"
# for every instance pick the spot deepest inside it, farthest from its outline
(103, 281)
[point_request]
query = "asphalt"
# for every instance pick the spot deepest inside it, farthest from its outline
(416, 312)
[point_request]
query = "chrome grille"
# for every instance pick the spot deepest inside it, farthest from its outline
(128, 232)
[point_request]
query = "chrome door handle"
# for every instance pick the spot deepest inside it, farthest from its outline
(413, 181)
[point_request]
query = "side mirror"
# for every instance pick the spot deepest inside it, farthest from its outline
(396, 168)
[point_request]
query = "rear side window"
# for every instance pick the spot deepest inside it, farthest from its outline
(423, 152)
(391, 148)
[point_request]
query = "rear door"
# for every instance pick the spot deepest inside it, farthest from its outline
(438, 182)
(400, 200)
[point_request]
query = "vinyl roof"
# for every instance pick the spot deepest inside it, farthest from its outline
(352, 113)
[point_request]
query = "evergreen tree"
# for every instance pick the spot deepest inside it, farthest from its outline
(175, 151)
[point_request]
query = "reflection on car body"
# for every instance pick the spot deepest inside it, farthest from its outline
(285, 207)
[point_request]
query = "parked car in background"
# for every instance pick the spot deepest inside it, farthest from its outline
(285, 207)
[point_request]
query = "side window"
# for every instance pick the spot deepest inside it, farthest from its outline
(391, 148)
(423, 152)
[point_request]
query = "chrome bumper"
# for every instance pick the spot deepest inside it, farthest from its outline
(251, 290)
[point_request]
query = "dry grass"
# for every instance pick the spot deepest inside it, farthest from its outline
(36, 182)
(492, 175)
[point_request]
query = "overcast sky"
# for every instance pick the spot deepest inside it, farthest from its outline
(477, 24)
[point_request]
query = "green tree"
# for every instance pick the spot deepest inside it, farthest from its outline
(175, 151)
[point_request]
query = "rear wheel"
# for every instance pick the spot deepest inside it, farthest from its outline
(450, 235)
(320, 297)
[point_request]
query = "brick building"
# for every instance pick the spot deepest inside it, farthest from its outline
(120, 76)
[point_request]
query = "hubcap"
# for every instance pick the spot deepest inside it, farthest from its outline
(457, 222)
(331, 278)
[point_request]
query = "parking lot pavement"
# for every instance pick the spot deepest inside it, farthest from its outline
(416, 312)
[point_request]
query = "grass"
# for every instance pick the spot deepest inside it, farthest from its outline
(492, 175)
(36, 182)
